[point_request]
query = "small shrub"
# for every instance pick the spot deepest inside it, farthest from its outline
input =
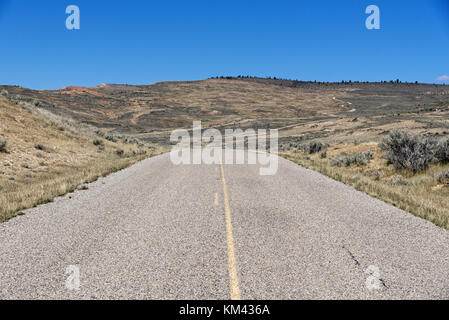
(359, 159)
(139, 152)
(100, 133)
(337, 162)
(110, 137)
(323, 155)
(4, 93)
(98, 142)
(405, 151)
(2, 145)
(376, 175)
(362, 158)
(120, 152)
(313, 147)
(443, 178)
(39, 147)
(442, 150)
(398, 180)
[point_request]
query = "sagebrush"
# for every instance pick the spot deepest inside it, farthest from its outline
(406, 151)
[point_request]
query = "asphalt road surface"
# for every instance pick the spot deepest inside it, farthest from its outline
(159, 231)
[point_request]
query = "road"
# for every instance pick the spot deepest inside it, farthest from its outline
(159, 231)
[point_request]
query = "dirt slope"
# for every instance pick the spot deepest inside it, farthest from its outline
(46, 156)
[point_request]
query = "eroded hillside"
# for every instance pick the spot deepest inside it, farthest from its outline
(151, 112)
(43, 156)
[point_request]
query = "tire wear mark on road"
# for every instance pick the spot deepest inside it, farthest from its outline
(233, 277)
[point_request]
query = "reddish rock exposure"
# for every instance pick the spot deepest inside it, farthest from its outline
(79, 91)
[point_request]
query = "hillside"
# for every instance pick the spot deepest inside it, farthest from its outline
(301, 109)
(44, 156)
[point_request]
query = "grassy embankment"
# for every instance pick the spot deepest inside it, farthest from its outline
(44, 156)
(424, 194)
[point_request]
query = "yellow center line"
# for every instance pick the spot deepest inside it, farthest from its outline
(233, 278)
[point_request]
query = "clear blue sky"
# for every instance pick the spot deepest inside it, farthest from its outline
(140, 42)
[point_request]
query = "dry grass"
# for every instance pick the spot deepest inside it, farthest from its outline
(422, 195)
(44, 159)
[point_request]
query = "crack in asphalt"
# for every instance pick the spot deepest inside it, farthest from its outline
(358, 264)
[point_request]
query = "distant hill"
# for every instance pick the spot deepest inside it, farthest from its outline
(153, 111)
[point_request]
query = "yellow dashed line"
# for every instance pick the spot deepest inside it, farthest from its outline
(233, 278)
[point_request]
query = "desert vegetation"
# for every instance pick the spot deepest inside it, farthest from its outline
(2, 145)
(359, 159)
(406, 151)
(408, 171)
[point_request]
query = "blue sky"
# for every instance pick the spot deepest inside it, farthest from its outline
(145, 41)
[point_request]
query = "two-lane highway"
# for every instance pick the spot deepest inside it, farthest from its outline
(159, 231)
